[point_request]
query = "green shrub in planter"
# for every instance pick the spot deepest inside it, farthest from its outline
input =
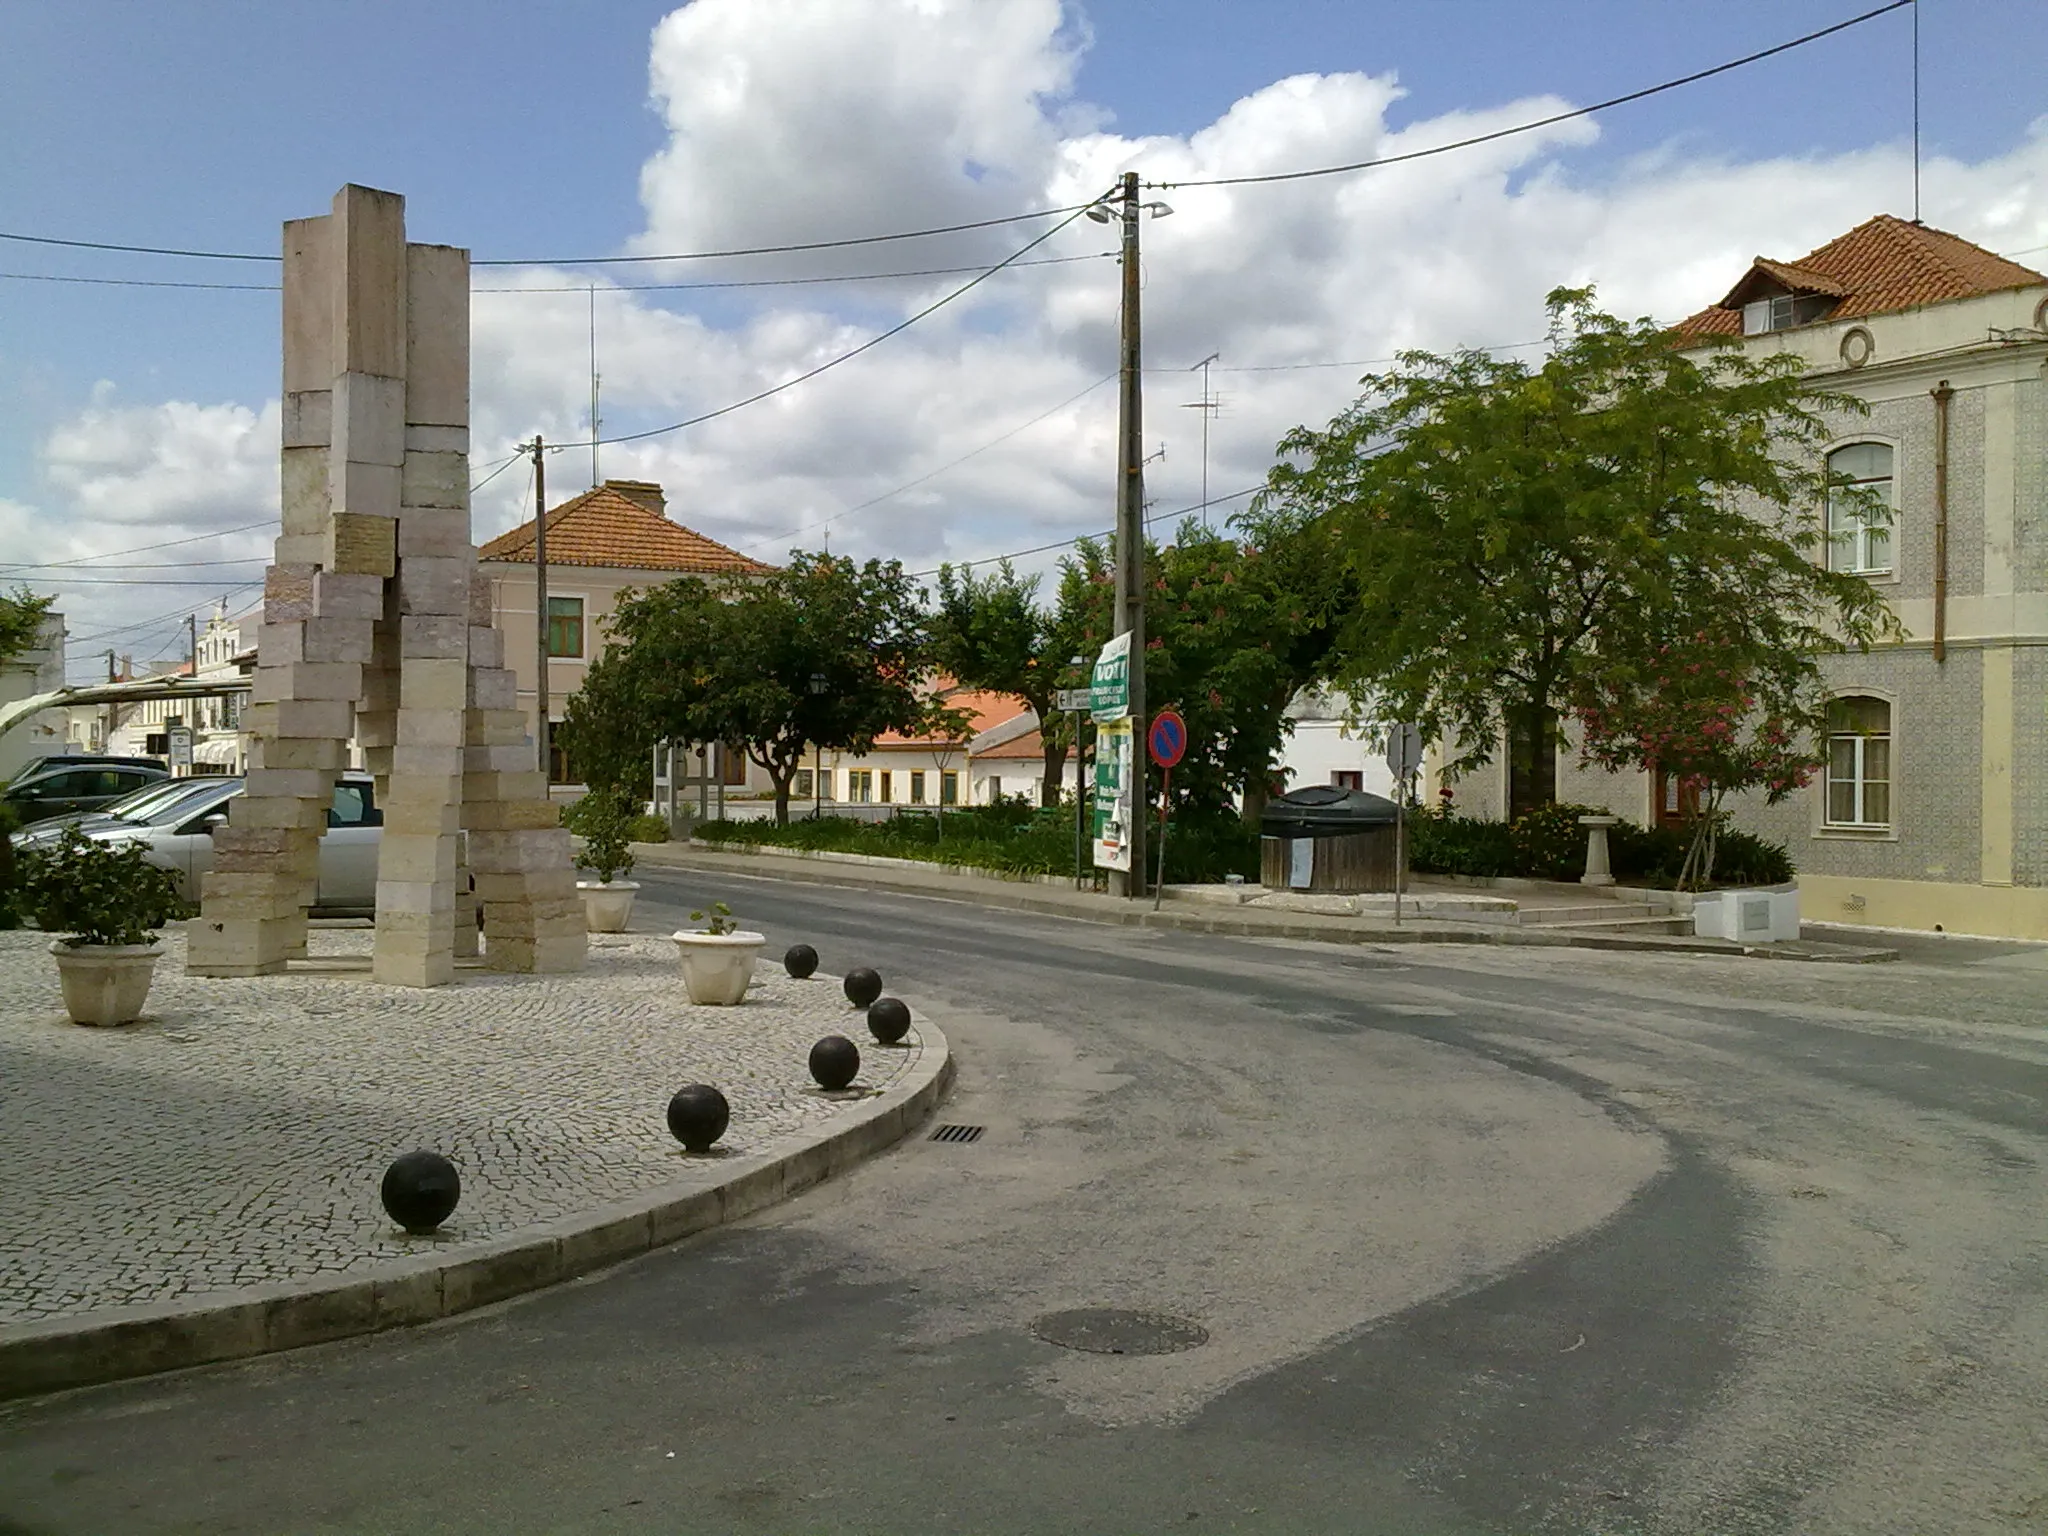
(1741, 858)
(1445, 843)
(93, 892)
(603, 819)
(647, 829)
(1550, 844)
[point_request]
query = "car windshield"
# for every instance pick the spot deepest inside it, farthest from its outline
(177, 808)
(137, 804)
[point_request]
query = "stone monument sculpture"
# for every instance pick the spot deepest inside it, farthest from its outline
(376, 625)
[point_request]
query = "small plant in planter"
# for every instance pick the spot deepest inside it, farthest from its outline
(604, 818)
(717, 959)
(107, 901)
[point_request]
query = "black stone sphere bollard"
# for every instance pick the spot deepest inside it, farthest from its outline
(889, 1019)
(835, 1062)
(863, 986)
(420, 1190)
(801, 961)
(698, 1116)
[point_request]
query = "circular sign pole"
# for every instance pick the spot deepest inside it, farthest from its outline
(1167, 741)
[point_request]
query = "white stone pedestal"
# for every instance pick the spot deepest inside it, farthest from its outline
(1597, 871)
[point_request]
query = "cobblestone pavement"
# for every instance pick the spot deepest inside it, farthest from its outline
(236, 1134)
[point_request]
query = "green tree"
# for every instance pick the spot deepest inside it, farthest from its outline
(1233, 630)
(21, 620)
(1519, 535)
(1716, 729)
(821, 653)
(990, 632)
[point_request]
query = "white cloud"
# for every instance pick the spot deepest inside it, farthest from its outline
(799, 120)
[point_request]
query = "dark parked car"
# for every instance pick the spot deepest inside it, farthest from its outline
(146, 804)
(65, 787)
(36, 765)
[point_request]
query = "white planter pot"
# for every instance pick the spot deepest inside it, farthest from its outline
(718, 966)
(607, 904)
(105, 983)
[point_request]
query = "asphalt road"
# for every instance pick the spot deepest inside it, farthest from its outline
(1483, 1240)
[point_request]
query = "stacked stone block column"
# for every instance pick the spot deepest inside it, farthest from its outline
(519, 852)
(368, 627)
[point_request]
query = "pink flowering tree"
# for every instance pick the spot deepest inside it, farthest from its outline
(1717, 720)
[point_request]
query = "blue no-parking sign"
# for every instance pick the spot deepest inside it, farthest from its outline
(1168, 739)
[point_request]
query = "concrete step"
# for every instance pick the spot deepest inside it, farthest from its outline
(1589, 912)
(1678, 924)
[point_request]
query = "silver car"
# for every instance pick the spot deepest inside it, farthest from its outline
(178, 835)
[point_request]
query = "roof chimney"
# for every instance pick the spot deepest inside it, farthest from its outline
(643, 492)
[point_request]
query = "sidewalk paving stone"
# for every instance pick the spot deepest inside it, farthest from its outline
(235, 1136)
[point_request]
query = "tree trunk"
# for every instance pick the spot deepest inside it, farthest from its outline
(1055, 770)
(780, 778)
(1254, 800)
(1532, 758)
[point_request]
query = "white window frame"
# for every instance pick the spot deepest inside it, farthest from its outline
(1860, 537)
(1887, 828)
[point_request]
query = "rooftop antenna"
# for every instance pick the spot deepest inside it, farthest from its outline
(1208, 405)
(594, 418)
(1916, 110)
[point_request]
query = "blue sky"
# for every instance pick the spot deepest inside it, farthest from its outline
(527, 131)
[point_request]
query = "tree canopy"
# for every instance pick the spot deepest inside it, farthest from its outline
(1523, 538)
(1233, 630)
(822, 653)
(21, 620)
(989, 631)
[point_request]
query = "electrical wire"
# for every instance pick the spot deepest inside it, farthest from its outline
(1541, 122)
(1040, 549)
(757, 282)
(935, 473)
(142, 549)
(582, 261)
(82, 641)
(844, 357)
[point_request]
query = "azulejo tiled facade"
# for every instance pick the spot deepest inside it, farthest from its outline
(1933, 811)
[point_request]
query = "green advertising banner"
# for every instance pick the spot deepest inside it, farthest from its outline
(1114, 804)
(1109, 691)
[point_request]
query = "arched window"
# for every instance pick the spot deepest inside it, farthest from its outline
(1859, 762)
(1860, 509)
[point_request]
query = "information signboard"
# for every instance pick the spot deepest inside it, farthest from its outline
(1110, 689)
(1114, 800)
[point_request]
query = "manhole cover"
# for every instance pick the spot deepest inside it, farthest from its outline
(1113, 1331)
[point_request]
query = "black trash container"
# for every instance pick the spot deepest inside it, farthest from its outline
(1323, 838)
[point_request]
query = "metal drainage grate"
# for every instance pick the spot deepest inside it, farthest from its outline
(1113, 1331)
(958, 1133)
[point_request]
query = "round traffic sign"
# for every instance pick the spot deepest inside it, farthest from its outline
(1168, 738)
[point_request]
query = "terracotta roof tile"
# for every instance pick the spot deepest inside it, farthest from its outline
(983, 710)
(1882, 265)
(621, 524)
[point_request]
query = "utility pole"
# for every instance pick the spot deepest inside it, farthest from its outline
(192, 640)
(540, 604)
(1130, 536)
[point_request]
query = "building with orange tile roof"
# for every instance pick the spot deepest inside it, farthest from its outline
(1932, 810)
(610, 539)
(933, 768)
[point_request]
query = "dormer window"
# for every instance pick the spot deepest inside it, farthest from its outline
(1782, 311)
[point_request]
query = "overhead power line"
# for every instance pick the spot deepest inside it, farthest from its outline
(845, 357)
(754, 282)
(1041, 549)
(994, 442)
(1544, 122)
(1039, 213)
(581, 261)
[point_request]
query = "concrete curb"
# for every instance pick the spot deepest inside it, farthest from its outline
(1238, 923)
(115, 1344)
